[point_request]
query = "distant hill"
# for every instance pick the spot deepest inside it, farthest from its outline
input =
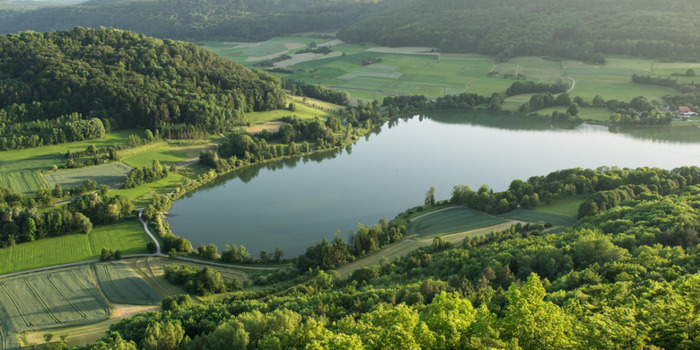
(240, 20)
(564, 28)
(123, 78)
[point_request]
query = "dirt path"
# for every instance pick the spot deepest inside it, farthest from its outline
(573, 84)
(409, 244)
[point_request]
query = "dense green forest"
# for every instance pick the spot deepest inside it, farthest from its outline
(569, 28)
(68, 86)
(240, 20)
(624, 277)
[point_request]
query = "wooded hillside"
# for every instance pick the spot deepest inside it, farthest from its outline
(565, 28)
(241, 20)
(50, 81)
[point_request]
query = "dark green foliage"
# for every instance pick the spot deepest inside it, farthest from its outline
(121, 79)
(528, 87)
(569, 28)
(320, 92)
(139, 176)
(203, 281)
(241, 20)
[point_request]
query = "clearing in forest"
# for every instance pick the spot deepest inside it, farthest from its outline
(452, 220)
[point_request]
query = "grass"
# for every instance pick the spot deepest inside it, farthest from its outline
(302, 112)
(141, 196)
(105, 174)
(51, 299)
(567, 206)
(537, 216)
(451, 220)
(120, 284)
(127, 236)
(20, 169)
(407, 245)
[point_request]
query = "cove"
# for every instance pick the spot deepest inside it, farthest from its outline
(295, 203)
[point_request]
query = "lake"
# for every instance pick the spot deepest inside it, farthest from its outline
(295, 203)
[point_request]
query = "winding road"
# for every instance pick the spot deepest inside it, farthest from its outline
(158, 253)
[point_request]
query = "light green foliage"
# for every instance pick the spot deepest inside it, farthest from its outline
(448, 316)
(452, 221)
(537, 324)
(163, 336)
(122, 285)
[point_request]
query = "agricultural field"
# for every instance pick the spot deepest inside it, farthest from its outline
(20, 170)
(121, 285)
(409, 71)
(46, 300)
(451, 220)
(105, 174)
(127, 236)
(248, 53)
(537, 216)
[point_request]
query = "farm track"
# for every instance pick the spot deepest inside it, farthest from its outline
(63, 295)
(99, 297)
(131, 280)
(14, 303)
(110, 282)
(41, 301)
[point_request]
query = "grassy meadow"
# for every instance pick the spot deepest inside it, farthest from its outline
(105, 174)
(127, 236)
(21, 170)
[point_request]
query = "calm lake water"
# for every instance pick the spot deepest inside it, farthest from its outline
(295, 203)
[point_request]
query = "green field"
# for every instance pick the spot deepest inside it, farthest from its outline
(105, 174)
(435, 75)
(121, 285)
(452, 220)
(537, 216)
(47, 300)
(127, 236)
(567, 206)
(20, 169)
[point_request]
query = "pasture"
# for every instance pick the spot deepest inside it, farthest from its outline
(566, 206)
(127, 236)
(121, 285)
(20, 170)
(537, 216)
(451, 220)
(105, 174)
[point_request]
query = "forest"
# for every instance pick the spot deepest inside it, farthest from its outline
(570, 28)
(239, 20)
(625, 276)
(68, 86)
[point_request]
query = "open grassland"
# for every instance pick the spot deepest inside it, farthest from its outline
(105, 174)
(168, 153)
(451, 220)
(127, 236)
(50, 299)
(302, 112)
(537, 216)
(120, 284)
(141, 196)
(567, 206)
(408, 245)
(20, 169)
